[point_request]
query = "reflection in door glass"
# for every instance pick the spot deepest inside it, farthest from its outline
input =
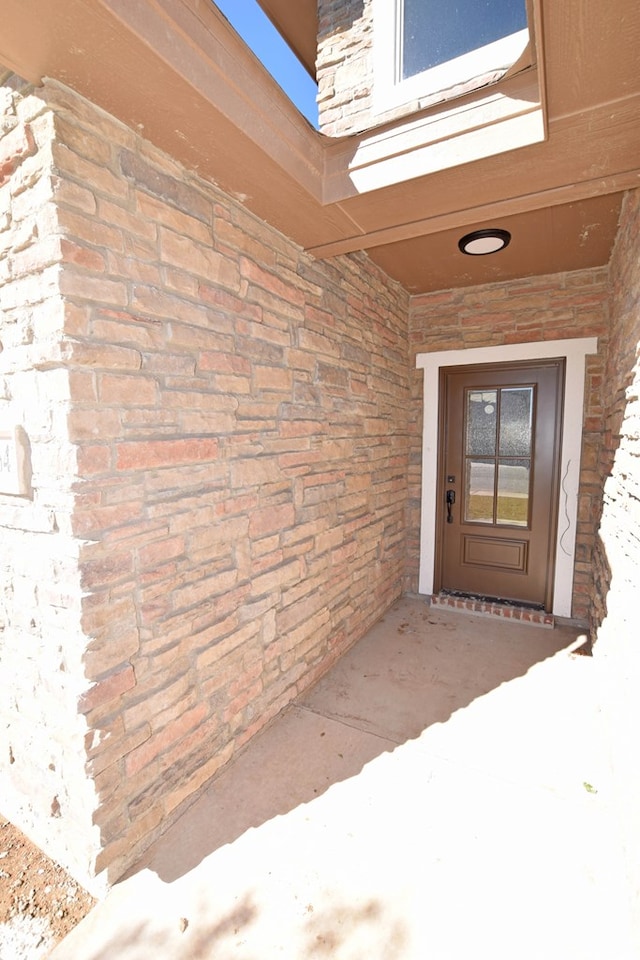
(513, 492)
(479, 490)
(498, 454)
(482, 422)
(516, 406)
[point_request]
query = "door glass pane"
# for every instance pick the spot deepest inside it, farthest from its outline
(516, 407)
(482, 419)
(514, 478)
(478, 488)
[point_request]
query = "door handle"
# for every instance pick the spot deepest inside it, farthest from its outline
(451, 499)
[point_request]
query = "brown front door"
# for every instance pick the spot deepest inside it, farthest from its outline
(500, 432)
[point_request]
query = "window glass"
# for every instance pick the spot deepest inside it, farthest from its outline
(482, 420)
(498, 441)
(480, 480)
(436, 31)
(514, 479)
(516, 412)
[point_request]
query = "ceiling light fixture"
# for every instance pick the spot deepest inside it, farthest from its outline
(479, 242)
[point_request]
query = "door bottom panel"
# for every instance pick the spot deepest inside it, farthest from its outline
(509, 554)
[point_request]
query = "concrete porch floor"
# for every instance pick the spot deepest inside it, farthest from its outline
(443, 792)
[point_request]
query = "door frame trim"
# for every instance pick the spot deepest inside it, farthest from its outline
(529, 370)
(575, 352)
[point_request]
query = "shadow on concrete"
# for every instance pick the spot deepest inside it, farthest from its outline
(337, 929)
(341, 833)
(139, 941)
(414, 669)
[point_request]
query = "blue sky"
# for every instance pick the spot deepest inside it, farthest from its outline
(257, 31)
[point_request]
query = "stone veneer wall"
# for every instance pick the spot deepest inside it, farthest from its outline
(43, 784)
(344, 66)
(617, 550)
(541, 308)
(219, 441)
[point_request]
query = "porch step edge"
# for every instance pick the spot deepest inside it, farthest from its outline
(487, 608)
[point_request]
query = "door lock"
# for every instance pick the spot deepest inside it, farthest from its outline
(451, 499)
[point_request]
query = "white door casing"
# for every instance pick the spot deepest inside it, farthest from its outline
(575, 353)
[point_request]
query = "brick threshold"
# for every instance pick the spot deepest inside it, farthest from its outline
(487, 608)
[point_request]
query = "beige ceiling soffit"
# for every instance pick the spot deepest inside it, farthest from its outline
(200, 46)
(629, 180)
(492, 121)
(7, 61)
(298, 24)
(585, 152)
(536, 24)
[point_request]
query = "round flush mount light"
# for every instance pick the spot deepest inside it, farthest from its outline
(479, 242)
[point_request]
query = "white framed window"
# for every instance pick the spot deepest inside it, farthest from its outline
(424, 47)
